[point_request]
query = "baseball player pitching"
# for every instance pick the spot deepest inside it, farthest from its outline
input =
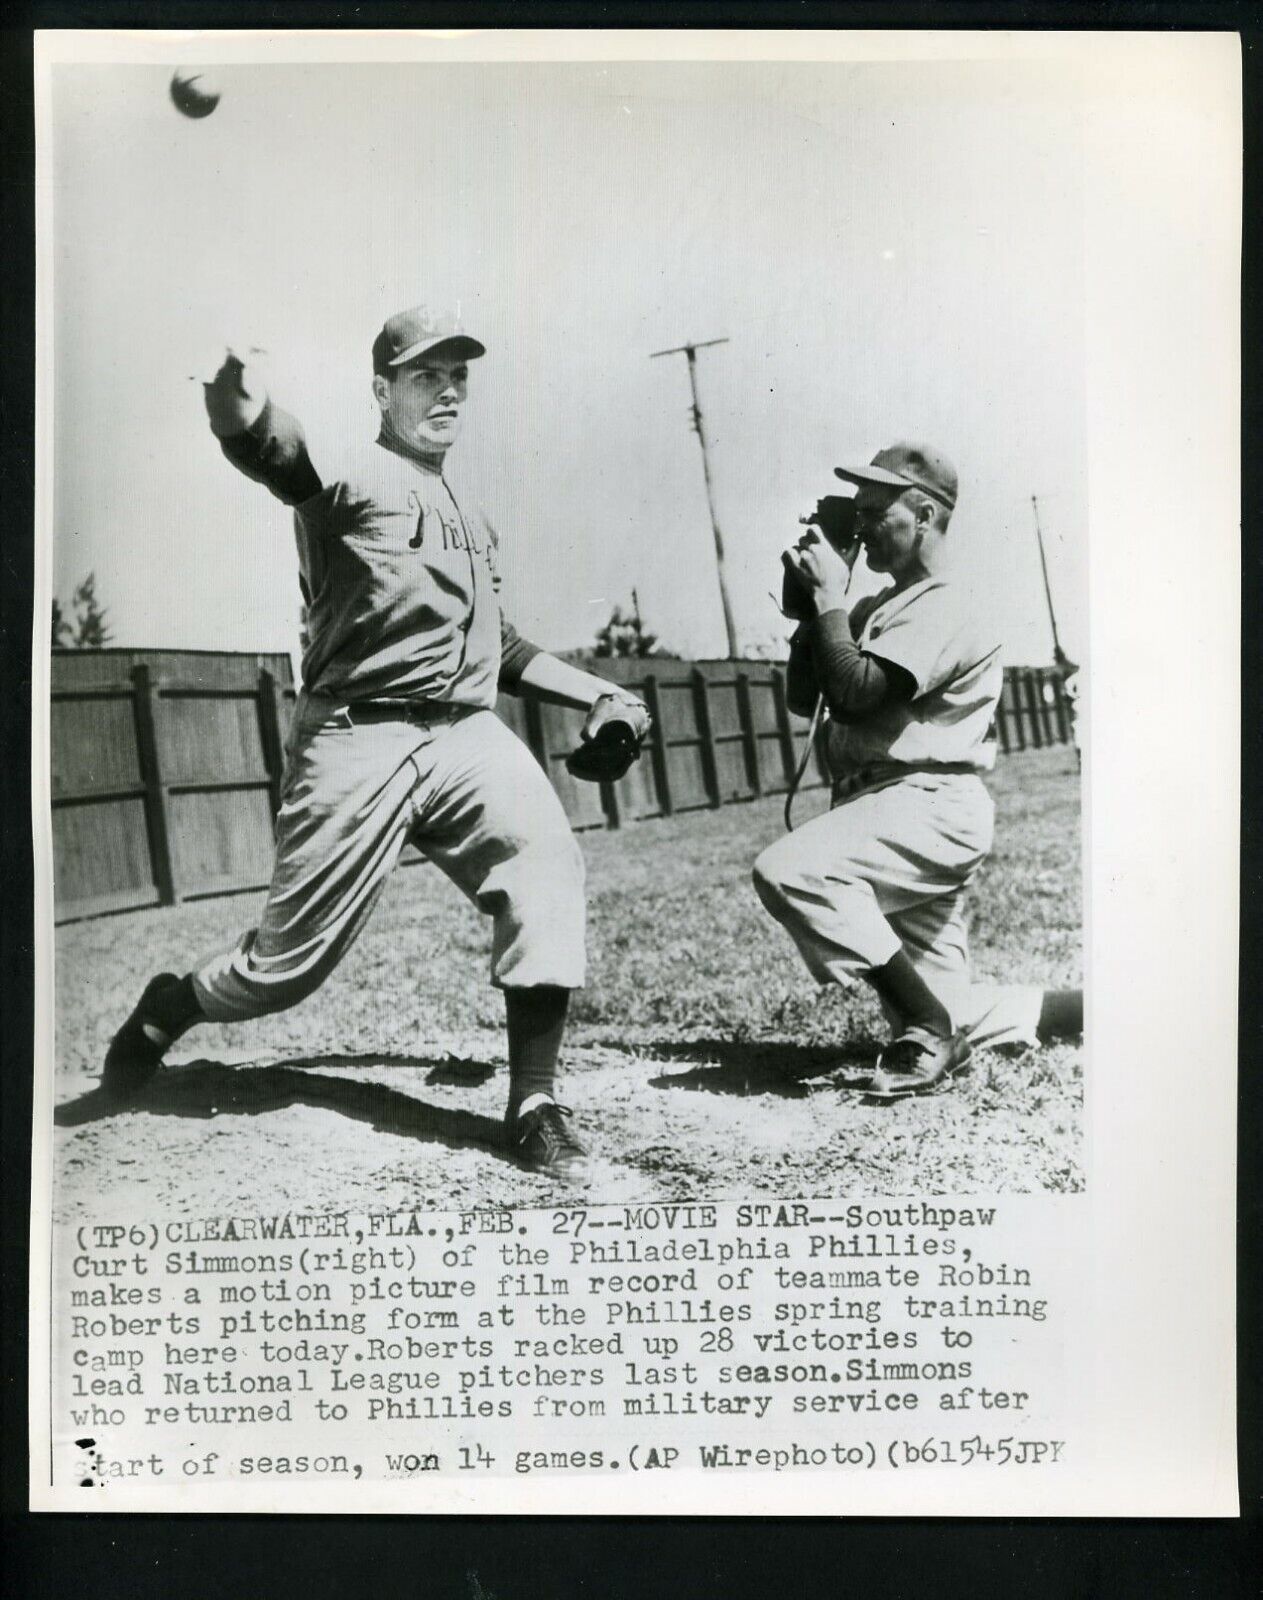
(910, 678)
(394, 734)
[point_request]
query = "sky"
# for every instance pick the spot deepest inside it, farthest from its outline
(890, 250)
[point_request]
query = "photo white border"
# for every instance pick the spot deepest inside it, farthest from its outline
(1163, 186)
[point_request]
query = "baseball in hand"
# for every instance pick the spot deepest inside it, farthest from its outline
(194, 94)
(237, 393)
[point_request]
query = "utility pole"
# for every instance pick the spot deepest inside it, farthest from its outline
(690, 352)
(1060, 657)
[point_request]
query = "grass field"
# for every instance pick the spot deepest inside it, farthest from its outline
(701, 1061)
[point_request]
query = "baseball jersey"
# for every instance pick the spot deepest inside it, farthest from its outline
(955, 666)
(400, 581)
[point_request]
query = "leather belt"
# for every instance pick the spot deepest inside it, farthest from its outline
(421, 712)
(881, 774)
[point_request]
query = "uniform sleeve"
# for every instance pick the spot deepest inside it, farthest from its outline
(931, 639)
(516, 654)
(273, 451)
(853, 681)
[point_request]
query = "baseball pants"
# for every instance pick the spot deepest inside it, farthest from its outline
(469, 795)
(887, 869)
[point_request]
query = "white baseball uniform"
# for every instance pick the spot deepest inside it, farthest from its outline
(394, 735)
(911, 821)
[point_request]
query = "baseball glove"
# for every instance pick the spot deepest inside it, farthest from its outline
(612, 739)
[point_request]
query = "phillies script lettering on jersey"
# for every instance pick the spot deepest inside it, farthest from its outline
(455, 532)
(400, 581)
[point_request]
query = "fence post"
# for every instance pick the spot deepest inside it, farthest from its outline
(1047, 680)
(534, 717)
(1061, 709)
(750, 735)
(143, 696)
(706, 736)
(1032, 706)
(1013, 689)
(783, 726)
(821, 744)
(610, 805)
(658, 746)
(269, 700)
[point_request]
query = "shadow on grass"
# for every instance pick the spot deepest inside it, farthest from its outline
(211, 1088)
(747, 1067)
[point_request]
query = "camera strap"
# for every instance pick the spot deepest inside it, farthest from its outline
(809, 744)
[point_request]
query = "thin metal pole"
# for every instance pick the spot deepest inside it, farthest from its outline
(689, 351)
(1059, 655)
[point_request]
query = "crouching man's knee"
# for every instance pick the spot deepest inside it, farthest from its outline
(772, 875)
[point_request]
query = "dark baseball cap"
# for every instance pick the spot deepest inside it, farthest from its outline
(412, 333)
(908, 466)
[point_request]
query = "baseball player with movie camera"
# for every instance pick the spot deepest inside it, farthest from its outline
(394, 734)
(910, 680)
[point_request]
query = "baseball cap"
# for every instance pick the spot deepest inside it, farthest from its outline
(908, 466)
(411, 333)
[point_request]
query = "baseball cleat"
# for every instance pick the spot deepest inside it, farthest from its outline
(541, 1140)
(137, 1049)
(914, 1065)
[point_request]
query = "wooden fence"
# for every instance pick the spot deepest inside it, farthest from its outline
(166, 773)
(166, 765)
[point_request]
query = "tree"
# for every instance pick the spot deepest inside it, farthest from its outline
(625, 634)
(89, 630)
(93, 632)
